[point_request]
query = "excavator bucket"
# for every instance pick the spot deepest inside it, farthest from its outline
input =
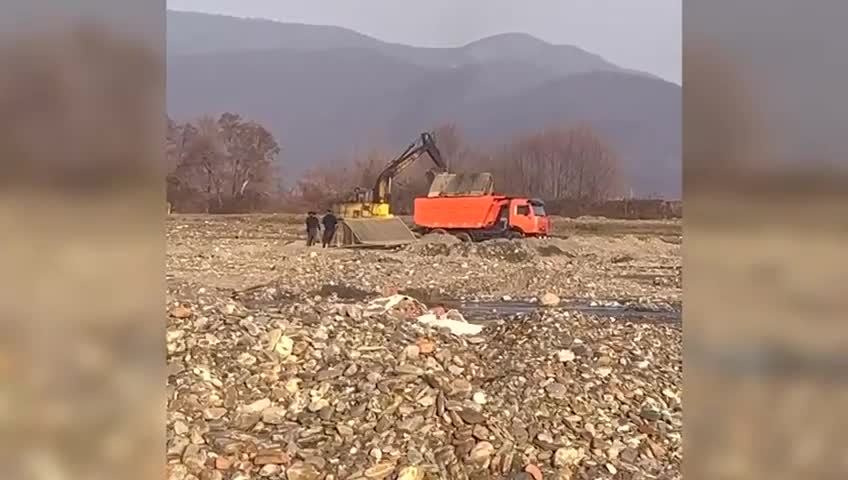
(461, 184)
(374, 232)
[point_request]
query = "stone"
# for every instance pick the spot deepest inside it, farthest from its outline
(545, 441)
(565, 457)
(211, 475)
(411, 473)
(482, 453)
(412, 370)
(379, 471)
(480, 398)
(180, 428)
(549, 299)
(563, 474)
(246, 421)
(177, 446)
(318, 404)
(650, 413)
(460, 388)
(471, 417)
(194, 458)
(425, 346)
(410, 425)
(556, 391)
(284, 347)
(302, 471)
(177, 472)
(292, 385)
(271, 457)
(257, 406)
(411, 352)
(214, 413)
(223, 463)
(566, 356)
(181, 312)
(245, 359)
(270, 470)
(345, 430)
(533, 471)
(629, 455)
(274, 415)
(480, 432)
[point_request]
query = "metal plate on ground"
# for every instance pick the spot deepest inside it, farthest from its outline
(459, 184)
(375, 232)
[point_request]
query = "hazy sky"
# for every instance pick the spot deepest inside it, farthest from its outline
(642, 34)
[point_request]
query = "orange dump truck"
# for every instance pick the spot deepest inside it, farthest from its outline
(481, 217)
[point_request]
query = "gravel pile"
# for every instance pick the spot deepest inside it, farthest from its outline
(512, 251)
(319, 390)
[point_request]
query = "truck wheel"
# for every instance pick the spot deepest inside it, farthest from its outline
(439, 231)
(464, 237)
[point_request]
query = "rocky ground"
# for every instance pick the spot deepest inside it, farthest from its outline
(288, 362)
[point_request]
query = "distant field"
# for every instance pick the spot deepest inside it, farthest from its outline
(670, 230)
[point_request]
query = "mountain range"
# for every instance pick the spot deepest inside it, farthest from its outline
(327, 91)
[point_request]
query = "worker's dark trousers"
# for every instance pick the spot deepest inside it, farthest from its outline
(328, 236)
(311, 237)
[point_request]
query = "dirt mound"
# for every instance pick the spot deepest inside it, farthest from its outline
(507, 250)
(617, 249)
(513, 251)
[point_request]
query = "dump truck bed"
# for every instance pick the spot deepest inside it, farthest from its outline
(470, 212)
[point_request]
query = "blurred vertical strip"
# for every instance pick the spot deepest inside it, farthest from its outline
(765, 157)
(81, 239)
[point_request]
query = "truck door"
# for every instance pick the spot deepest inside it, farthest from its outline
(522, 217)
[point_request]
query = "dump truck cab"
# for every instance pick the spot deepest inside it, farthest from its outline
(528, 216)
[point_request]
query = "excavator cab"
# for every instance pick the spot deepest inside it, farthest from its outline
(360, 205)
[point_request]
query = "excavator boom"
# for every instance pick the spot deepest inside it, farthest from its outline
(424, 144)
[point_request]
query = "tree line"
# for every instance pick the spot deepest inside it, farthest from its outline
(220, 165)
(230, 164)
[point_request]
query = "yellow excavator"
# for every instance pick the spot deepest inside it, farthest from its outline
(366, 217)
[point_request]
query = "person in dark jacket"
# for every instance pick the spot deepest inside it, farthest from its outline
(312, 227)
(329, 222)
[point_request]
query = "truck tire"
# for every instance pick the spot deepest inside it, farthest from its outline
(464, 237)
(439, 231)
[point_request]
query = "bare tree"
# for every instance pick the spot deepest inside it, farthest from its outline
(325, 184)
(456, 151)
(559, 163)
(250, 153)
(224, 160)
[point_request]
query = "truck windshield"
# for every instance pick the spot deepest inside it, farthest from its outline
(538, 209)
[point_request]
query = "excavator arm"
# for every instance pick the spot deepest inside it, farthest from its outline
(424, 144)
